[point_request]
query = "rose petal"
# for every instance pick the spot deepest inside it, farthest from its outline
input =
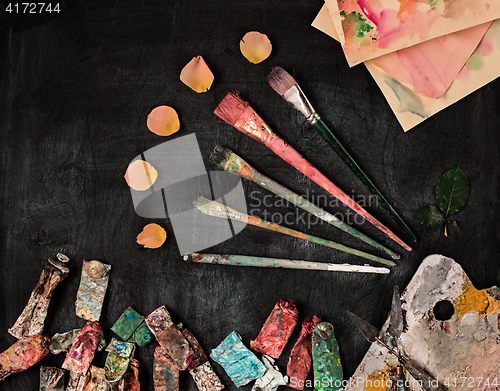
(256, 47)
(152, 236)
(197, 75)
(140, 175)
(163, 121)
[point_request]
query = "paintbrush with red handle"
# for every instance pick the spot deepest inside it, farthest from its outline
(238, 113)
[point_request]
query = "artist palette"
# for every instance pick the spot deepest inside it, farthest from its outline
(461, 352)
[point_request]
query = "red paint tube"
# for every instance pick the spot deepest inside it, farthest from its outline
(300, 361)
(23, 354)
(277, 329)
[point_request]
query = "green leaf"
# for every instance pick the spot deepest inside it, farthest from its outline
(452, 222)
(452, 191)
(431, 216)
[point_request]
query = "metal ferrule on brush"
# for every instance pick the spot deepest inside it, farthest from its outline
(297, 99)
(238, 166)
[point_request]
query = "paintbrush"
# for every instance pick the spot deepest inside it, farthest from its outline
(239, 114)
(243, 260)
(216, 209)
(285, 85)
(227, 160)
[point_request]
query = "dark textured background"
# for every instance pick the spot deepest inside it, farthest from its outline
(75, 91)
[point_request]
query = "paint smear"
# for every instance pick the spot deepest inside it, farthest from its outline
(430, 67)
(409, 101)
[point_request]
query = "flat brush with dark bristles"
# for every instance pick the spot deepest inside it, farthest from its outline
(239, 114)
(227, 160)
(285, 85)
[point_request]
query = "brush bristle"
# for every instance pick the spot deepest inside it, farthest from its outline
(231, 108)
(280, 80)
(220, 156)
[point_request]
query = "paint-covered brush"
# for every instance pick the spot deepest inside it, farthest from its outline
(244, 260)
(238, 113)
(216, 209)
(285, 85)
(227, 160)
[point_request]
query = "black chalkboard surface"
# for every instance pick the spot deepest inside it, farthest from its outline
(76, 89)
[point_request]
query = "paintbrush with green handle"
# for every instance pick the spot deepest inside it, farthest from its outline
(227, 160)
(285, 85)
(216, 209)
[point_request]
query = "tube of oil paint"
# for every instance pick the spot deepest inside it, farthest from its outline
(83, 349)
(31, 320)
(277, 329)
(51, 379)
(93, 285)
(241, 365)
(119, 356)
(131, 327)
(169, 337)
(272, 379)
(25, 353)
(62, 342)
(300, 360)
(165, 372)
(326, 359)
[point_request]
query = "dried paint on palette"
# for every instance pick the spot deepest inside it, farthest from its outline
(277, 329)
(93, 285)
(463, 345)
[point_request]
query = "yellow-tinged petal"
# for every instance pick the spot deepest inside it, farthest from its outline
(256, 47)
(152, 236)
(163, 121)
(197, 75)
(140, 175)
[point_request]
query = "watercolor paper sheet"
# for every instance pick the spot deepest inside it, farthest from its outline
(412, 108)
(371, 28)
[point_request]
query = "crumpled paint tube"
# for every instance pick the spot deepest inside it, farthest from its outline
(131, 377)
(93, 380)
(272, 379)
(205, 377)
(93, 285)
(83, 349)
(201, 370)
(326, 358)
(131, 327)
(119, 356)
(299, 363)
(169, 337)
(26, 352)
(62, 342)
(31, 320)
(241, 365)
(277, 329)
(198, 356)
(51, 379)
(165, 373)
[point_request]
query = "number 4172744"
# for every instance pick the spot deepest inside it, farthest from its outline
(32, 8)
